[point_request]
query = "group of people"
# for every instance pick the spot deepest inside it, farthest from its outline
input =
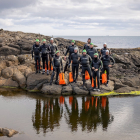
(90, 60)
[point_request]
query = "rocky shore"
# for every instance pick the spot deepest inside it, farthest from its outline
(17, 69)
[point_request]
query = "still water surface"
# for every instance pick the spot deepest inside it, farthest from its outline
(57, 118)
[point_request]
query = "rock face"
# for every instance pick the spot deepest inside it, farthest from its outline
(51, 90)
(17, 68)
(8, 132)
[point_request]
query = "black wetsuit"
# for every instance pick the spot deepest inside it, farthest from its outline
(106, 62)
(53, 49)
(103, 51)
(91, 52)
(36, 52)
(96, 63)
(85, 61)
(86, 47)
(70, 50)
(75, 64)
(45, 50)
(57, 63)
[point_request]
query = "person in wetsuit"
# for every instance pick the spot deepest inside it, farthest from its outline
(103, 50)
(53, 49)
(45, 50)
(57, 66)
(36, 54)
(91, 51)
(70, 50)
(87, 45)
(75, 63)
(85, 61)
(106, 64)
(96, 65)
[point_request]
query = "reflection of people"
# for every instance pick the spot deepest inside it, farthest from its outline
(49, 117)
(73, 115)
(105, 116)
(37, 117)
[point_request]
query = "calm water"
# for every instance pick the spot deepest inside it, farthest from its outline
(112, 41)
(37, 117)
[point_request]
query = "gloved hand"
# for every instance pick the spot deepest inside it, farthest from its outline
(61, 69)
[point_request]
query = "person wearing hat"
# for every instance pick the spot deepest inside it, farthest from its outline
(96, 66)
(45, 50)
(87, 46)
(91, 51)
(70, 50)
(75, 63)
(85, 61)
(36, 54)
(103, 50)
(106, 59)
(53, 49)
(57, 66)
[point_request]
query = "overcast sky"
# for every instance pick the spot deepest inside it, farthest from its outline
(72, 17)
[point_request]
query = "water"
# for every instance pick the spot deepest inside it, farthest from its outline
(112, 41)
(37, 117)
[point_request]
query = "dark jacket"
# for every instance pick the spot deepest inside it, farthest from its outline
(91, 52)
(70, 49)
(106, 60)
(103, 51)
(86, 47)
(36, 50)
(85, 60)
(45, 50)
(57, 61)
(74, 58)
(96, 63)
(53, 48)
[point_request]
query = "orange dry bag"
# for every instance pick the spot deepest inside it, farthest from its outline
(87, 77)
(61, 79)
(104, 78)
(70, 77)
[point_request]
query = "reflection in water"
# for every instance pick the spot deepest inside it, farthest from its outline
(49, 117)
(87, 114)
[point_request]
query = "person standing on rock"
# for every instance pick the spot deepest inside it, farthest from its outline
(45, 50)
(57, 66)
(106, 64)
(36, 52)
(53, 49)
(85, 61)
(103, 50)
(96, 65)
(70, 50)
(91, 51)
(87, 46)
(75, 63)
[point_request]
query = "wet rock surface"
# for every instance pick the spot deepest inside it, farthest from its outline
(17, 68)
(7, 132)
